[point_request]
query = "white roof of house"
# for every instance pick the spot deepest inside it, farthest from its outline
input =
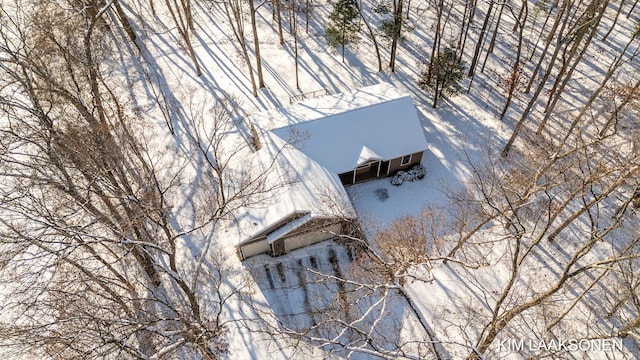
(289, 227)
(294, 184)
(367, 155)
(346, 130)
(306, 146)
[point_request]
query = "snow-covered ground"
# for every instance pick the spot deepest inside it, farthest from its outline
(459, 131)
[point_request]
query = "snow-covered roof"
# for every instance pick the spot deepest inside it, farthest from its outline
(367, 155)
(289, 227)
(295, 184)
(346, 130)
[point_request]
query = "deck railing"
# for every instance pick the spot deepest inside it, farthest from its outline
(308, 95)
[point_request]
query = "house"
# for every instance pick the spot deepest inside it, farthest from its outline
(304, 202)
(317, 146)
(360, 135)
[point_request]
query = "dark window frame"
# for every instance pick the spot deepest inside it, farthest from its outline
(408, 157)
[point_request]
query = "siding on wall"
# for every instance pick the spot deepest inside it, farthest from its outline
(315, 231)
(394, 165)
(254, 248)
(312, 237)
(346, 178)
(312, 232)
(277, 247)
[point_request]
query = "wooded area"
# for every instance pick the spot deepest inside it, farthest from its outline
(93, 210)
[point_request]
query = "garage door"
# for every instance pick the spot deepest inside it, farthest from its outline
(256, 248)
(309, 238)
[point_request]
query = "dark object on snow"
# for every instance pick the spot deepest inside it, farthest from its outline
(382, 194)
(415, 173)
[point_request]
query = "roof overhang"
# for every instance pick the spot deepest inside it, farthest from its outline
(366, 156)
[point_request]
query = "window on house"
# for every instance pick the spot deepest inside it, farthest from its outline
(405, 160)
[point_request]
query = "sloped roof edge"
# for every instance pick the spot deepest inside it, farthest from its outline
(288, 227)
(367, 155)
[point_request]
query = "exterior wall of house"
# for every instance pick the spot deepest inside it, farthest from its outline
(308, 238)
(346, 178)
(255, 248)
(312, 232)
(396, 164)
(386, 168)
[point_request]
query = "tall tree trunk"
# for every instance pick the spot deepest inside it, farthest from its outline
(463, 22)
(614, 115)
(279, 20)
(184, 31)
(397, 29)
(479, 44)
(235, 15)
(515, 73)
(371, 34)
(435, 49)
(493, 38)
(635, 3)
(515, 26)
(256, 44)
(462, 41)
(542, 28)
(615, 20)
(192, 54)
(186, 5)
(532, 101)
(122, 17)
(564, 11)
(343, 33)
(438, 85)
(587, 105)
(558, 94)
(294, 12)
(307, 12)
(295, 47)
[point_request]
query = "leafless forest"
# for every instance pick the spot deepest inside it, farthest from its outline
(99, 195)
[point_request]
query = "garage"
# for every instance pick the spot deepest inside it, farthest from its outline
(312, 237)
(254, 248)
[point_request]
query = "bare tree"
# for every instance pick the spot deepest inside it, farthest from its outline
(586, 25)
(395, 32)
(371, 34)
(615, 65)
(435, 49)
(183, 19)
(91, 261)
(615, 20)
(571, 189)
(514, 79)
(234, 11)
(492, 43)
(480, 43)
(294, 33)
(467, 19)
(562, 12)
(525, 113)
(256, 40)
(278, 10)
